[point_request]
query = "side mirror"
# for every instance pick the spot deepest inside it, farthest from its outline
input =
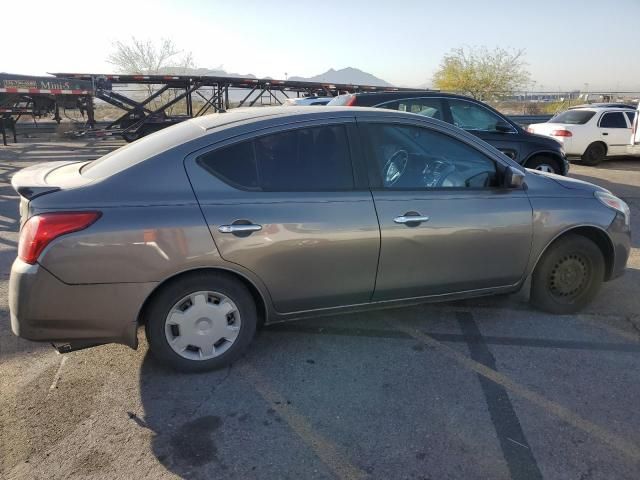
(503, 127)
(513, 178)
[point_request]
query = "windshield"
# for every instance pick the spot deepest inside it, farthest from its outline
(140, 150)
(573, 117)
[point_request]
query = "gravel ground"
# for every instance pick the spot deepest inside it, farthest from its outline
(476, 389)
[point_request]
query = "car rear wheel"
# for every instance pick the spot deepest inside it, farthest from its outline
(544, 164)
(200, 322)
(568, 275)
(594, 154)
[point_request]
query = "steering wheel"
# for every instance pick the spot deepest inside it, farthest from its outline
(395, 167)
(437, 172)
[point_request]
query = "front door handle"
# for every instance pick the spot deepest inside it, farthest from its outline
(239, 228)
(404, 219)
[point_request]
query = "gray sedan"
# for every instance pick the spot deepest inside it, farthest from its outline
(206, 230)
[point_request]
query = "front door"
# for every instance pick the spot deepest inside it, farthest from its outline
(446, 224)
(285, 206)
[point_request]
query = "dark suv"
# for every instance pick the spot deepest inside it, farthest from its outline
(530, 150)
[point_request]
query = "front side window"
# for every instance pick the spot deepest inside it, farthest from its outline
(416, 158)
(305, 159)
(613, 120)
(428, 107)
(470, 116)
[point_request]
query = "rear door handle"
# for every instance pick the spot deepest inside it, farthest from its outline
(605, 133)
(410, 219)
(239, 228)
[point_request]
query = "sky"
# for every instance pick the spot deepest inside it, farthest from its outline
(568, 43)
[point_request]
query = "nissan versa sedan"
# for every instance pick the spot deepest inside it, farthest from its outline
(205, 230)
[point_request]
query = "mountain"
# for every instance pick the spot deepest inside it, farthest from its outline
(349, 75)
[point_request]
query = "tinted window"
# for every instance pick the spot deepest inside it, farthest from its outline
(429, 107)
(306, 159)
(632, 116)
(613, 120)
(418, 158)
(573, 117)
(471, 116)
(235, 165)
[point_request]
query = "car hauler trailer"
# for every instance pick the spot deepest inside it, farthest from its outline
(25, 95)
(147, 101)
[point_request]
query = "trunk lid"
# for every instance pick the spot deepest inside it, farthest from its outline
(46, 178)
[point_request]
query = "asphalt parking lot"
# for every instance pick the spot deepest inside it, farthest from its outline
(486, 389)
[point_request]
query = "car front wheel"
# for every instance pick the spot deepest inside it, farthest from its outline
(544, 164)
(200, 322)
(568, 275)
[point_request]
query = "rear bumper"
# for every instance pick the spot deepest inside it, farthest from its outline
(620, 235)
(45, 309)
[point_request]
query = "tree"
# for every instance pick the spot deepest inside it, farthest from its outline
(144, 57)
(482, 73)
(147, 58)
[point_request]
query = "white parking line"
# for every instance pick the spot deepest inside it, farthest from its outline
(56, 377)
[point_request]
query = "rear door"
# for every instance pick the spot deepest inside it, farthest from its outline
(446, 226)
(289, 206)
(615, 130)
(484, 123)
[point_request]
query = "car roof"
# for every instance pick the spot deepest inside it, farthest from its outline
(254, 114)
(601, 109)
(604, 105)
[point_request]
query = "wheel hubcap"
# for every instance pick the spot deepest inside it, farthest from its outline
(545, 168)
(202, 325)
(569, 276)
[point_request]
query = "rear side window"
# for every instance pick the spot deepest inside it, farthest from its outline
(613, 120)
(428, 107)
(306, 159)
(573, 117)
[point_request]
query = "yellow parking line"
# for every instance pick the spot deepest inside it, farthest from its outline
(328, 453)
(616, 441)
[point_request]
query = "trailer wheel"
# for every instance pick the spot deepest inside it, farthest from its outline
(130, 136)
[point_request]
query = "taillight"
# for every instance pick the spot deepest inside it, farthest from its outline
(562, 133)
(530, 130)
(40, 230)
(351, 101)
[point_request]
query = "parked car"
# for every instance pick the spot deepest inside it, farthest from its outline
(590, 133)
(207, 229)
(312, 101)
(532, 151)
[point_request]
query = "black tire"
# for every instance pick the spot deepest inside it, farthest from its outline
(568, 275)
(594, 154)
(539, 162)
(156, 314)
